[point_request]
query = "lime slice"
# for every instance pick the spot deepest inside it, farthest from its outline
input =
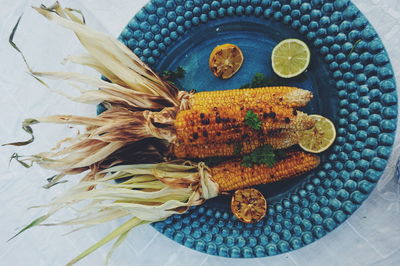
(290, 58)
(320, 137)
(225, 60)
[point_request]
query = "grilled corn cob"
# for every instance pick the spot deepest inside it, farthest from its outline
(285, 96)
(227, 124)
(232, 175)
(278, 140)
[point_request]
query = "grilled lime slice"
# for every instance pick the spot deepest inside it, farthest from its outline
(225, 60)
(248, 205)
(320, 137)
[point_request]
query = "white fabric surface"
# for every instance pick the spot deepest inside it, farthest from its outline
(370, 237)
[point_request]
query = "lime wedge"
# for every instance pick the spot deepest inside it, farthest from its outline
(290, 58)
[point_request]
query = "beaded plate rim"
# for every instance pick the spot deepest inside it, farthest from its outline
(366, 125)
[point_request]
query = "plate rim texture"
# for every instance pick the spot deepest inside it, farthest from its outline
(366, 124)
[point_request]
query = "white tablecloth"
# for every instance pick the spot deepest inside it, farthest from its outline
(370, 237)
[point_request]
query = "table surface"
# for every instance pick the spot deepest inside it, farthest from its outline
(371, 236)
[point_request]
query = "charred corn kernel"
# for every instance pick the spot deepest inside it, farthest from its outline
(285, 96)
(232, 175)
(227, 124)
(278, 140)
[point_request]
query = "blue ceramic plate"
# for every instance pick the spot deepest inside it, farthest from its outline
(352, 81)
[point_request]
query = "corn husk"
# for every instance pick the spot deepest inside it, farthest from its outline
(105, 134)
(139, 103)
(149, 193)
(110, 57)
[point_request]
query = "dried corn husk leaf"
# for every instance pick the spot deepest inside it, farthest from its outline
(109, 55)
(121, 230)
(104, 135)
(152, 192)
(26, 126)
(135, 88)
(113, 94)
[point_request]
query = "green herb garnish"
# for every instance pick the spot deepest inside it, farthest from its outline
(251, 119)
(213, 161)
(173, 75)
(262, 155)
(237, 148)
(260, 80)
(280, 154)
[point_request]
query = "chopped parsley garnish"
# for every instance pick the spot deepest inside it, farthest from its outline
(251, 119)
(173, 75)
(237, 149)
(213, 161)
(260, 80)
(262, 155)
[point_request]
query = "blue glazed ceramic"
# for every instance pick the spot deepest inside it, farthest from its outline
(352, 81)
